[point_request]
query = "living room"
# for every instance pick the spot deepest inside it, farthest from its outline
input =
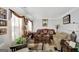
(22, 22)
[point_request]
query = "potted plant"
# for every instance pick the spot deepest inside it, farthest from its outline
(19, 40)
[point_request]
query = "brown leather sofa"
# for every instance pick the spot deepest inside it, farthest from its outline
(44, 35)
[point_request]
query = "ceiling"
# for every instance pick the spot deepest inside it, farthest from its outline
(47, 12)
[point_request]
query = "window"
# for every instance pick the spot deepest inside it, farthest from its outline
(16, 27)
(29, 26)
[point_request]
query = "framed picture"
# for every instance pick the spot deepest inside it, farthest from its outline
(3, 22)
(45, 22)
(66, 19)
(3, 13)
(3, 31)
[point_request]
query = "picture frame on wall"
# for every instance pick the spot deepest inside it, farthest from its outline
(44, 22)
(66, 19)
(3, 22)
(3, 31)
(3, 13)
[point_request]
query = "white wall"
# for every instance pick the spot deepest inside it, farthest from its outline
(37, 23)
(7, 36)
(71, 27)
